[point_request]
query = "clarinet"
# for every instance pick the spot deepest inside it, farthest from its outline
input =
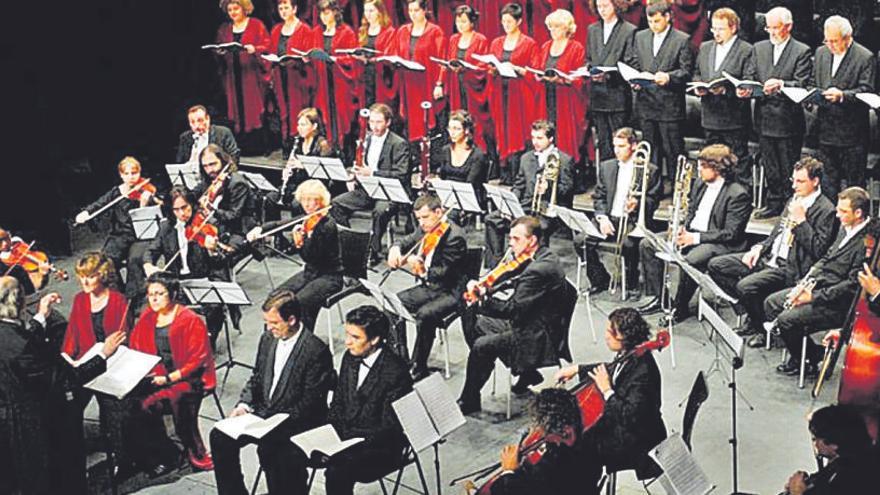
(297, 140)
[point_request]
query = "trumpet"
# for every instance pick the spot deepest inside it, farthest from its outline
(638, 188)
(787, 234)
(549, 175)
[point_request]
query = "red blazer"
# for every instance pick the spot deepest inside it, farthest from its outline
(300, 77)
(80, 336)
(490, 16)
(571, 104)
(475, 83)
(190, 347)
(521, 105)
(386, 76)
(253, 74)
(345, 100)
(416, 87)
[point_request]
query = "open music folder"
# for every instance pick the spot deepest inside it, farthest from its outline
(250, 425)
(428, 413)
(681, 473)
(323, 440)
(125, 369)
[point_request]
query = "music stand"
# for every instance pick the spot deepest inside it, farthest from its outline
(146, 222)
(384, 189)
(202, 291)
(326, 168)
(666, 252)
(183, 174)
(506, 202)
(258, 182)
(681, 473)
(577, 221)
(391, 304)
(457, 195)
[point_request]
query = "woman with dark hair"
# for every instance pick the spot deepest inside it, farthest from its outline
(310, 140)
(184, 374)
(631, 423)
(379, 83)
(293, 82)
(462, 160)
(337, 95)
(512, 102)
(243, 71)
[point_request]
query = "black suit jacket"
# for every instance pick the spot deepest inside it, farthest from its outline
(527, 178)
(729, 217)
(217, 134)
(200, 263)
(632, 422)
(612, 95)
(844, 123)
(558, 472)
(811, 238)
(321, 251)
(302, 389)
(776, 115)
(445, 272)
(394, 159)
(236, 214)
(606, 188)
(837, 272)
(534, 310)
(664, 103)
(366, 411)
(727, 111)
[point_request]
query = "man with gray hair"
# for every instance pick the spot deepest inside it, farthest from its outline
(780, 62)
(843, 68)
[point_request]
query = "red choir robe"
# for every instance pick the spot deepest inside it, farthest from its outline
(300, 77)
(386, 76)
(689, 16)
(352, 11)
(540, 10)
(444, 13)
(571, 105)
(583, 17)
(253, 75)
(345, 100)
(635, 14)
(475, 82)
(418, 86)
(397, 12)
(521, 104)
(190, 352)
(490, 16)
(80, 336)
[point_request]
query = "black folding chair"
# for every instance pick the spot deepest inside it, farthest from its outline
(355, 245)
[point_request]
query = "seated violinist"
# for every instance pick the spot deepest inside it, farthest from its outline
(435, 255)
(317, 240)
(556, 427)
(631, 421)
(29, 280)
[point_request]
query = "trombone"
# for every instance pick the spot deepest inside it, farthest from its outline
(549, 175)
(638, 188)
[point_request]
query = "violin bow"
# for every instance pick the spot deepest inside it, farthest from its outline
(180, 248)
(291, 223)
(117, 199)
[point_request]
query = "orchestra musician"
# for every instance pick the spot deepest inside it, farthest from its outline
(41, 432)
(842, 69)
(613, 200)
(512, 102)
(186, 372)
(122, 245)
(839, 437)
(201, 133)
(293, 82)
(521, 331)
(385, 155)
(631, 422)
(336, 94)
(556, 418)
(376, 33)
(371, 378)
(435, 254)
(824, 305)
(317, 241)
(781, 61)
(726, 112)
(609, 41)
(234, 207)
(462, 160)
(293, 374)
(665, 52)
(30, 282)
(242, 70)
(718, 211)
(528, 185)
(796, 242)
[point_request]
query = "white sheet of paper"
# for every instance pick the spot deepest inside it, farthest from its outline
(125, 369)
(505, 69)
(409, 64)
(440, 404)
(680, 468)
(323, 439)
(870, 99)
(250, 425)
(144, 221)
(416, 422)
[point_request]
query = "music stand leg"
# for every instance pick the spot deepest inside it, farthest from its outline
(437, 465)
(587, 297)
(668, 310)
(734, 441)
(230, 358)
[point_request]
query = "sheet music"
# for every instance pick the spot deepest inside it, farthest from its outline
(870, 99)
(125, 369)
(799, 95)
(183, 174)
(323, 168)
(756, 87)
(204, 291)
(681, 470)
(384, 189)
(578, 221)
(735, 342)
(323, 439)
(458, 195)
(259, 181)
(409, 64)
(416, 422)
(146, 221)
(505, 69)
(629, 73)
(250, 425)
(388, 300)
(440, 404)
(505, 201)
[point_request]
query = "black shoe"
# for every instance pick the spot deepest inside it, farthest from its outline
(758, 341)
(375, 259)
(747, 329)
(527, 379)
(123, 470)
(651, 308)
(599, 288)
(680, 315)
(811, 370)
(159, 470)
(788, 368)
(768, 212)
(469, 406)
(419, 372)
(652, 300)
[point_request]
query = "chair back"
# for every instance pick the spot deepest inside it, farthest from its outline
(568, 297)
(699, 393)
(355, 247)
(473, 262)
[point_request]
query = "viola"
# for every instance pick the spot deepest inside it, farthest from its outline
(21, 254)
(430, 242)
(483, 285)
(216, 186)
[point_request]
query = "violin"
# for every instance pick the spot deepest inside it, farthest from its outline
(21, 254)
(137, 193)
(308, 226)
(428, 243)
(216, 186)
(199, 230)
(482, 287)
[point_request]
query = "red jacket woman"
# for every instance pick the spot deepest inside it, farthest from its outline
(294, 83)
(80, 335)
(378, 81)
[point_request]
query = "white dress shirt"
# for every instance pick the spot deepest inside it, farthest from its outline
(366, 365)
(374, 152)
(183, 246)
(852, 231)
(621, 193)
(282, 353)
(607, 27)
(782, 249)
(542, 156)
(835, 62)
(778, 49)
(659, 38)
(700, 223)
(721, 51)
(200, 142)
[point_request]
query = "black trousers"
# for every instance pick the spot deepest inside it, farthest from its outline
(844, 167)
(495, 237)
(596, 271)
(283, 463)
(750, 285)
(697, 256)
(738, 141)
(489, 339)
(358, 200)
(666, 141)
(129, 253)
(364, 462)
(312, 290)
(778, 156)
(428, 305)
(802, 320)
(606, 124)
